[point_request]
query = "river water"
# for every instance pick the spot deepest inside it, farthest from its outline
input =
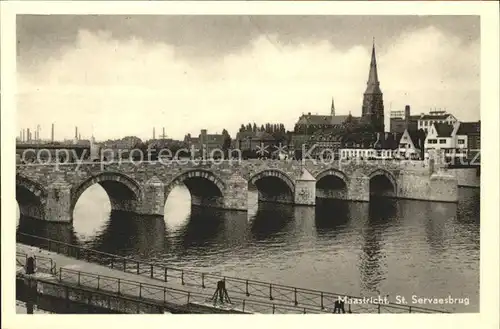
(387, 247)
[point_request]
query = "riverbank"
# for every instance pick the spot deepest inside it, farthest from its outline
(73, 274)
(257, 296)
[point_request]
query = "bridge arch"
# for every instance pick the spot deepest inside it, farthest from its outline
(273, 185)
(332, 184)
(31, 197)
(206, 188)
(382, 183)
(123, 191)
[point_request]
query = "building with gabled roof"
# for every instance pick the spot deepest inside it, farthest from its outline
(469, 139)
(411, 144)
(440, 117)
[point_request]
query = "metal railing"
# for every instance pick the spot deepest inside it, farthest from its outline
(238, 287)
(42, 264)
(129, 289)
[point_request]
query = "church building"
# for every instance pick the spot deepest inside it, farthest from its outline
(373, 103)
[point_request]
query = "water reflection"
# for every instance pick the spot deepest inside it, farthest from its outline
(386, 246)
(271, 222)
(331, 216)
(372, 265)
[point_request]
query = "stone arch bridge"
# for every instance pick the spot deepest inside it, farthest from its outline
(50, 191)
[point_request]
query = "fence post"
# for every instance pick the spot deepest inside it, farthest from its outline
(295, 296)
(246, 289)
(271, 293)
(243, 309)
(152, 271)
(119, 286)
(410, 309)
(182, 277)
(203, 280)
(138, 272)
(140, 290)
(78, 277)
(60, 274)
(98, 281)
(164, 294)
(166, 276)
(378, 308)
(189, 296)
(274, 307)
(322, 306)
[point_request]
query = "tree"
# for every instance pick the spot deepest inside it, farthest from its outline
(226, 143)
(254, 128)
(421, 141)
(242, 128)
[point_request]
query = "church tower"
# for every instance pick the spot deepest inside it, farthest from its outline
(373, 103)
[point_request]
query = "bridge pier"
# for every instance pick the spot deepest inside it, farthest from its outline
(236, 193)
(58, 201)
(358, 188)
(305, 189)
(153, 198)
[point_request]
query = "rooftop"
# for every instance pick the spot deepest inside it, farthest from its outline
(443, 129)
(467, 128)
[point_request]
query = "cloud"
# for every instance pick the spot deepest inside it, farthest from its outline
(126, 87)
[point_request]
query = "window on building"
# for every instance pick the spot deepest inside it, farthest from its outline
(442, 141)
(461, 141)
(432, 141)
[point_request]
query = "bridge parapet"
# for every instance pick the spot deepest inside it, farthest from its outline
(143, 187)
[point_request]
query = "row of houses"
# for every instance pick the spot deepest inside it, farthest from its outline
(458, 140)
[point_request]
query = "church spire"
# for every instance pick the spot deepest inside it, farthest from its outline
(373, 103)
(333, 108)
(373, 85)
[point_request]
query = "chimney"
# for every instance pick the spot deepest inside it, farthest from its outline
(24, 136)
(76, 132)
(52, 134)
(28, 138)
(407, 116)
(163, 135)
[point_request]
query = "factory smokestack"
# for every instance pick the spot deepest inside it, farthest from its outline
(24, 136)
(76, 132)
(29, 134)
(163, 136)
(52, 134)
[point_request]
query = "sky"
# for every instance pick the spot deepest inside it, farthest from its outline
(116, 76)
